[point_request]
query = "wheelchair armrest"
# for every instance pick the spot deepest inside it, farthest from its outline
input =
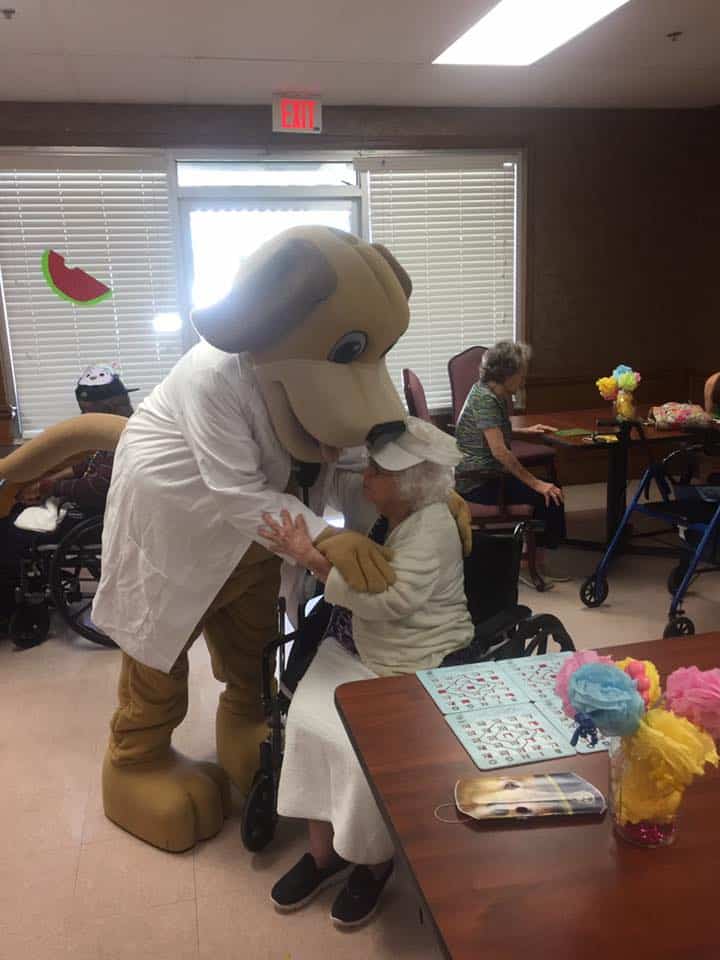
(540, 628)
(487, 630)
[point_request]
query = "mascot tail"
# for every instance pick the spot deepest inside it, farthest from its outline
(67, 442)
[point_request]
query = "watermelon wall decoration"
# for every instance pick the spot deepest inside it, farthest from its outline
(74, 285)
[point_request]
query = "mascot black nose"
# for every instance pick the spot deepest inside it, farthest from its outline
(382, 432)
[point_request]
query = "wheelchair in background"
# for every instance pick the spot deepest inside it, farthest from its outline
(57, 572)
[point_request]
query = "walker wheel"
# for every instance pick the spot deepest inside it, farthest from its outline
(259, 817)
(679, 627)
(588, 594)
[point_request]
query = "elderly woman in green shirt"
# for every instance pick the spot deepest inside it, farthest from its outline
(483, 434)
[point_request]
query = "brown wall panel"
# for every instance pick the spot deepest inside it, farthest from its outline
(623, 215)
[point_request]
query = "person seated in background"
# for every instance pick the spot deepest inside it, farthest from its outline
(484, 432)
(712, 396)
(412, 626)
(98, 390)
(712, 406)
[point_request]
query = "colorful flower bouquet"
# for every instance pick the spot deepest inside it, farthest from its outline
(620, 387)
(659, 743)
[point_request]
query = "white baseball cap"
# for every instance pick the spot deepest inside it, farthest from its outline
(420, 441)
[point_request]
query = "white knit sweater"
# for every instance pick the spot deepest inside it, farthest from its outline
(424, 615)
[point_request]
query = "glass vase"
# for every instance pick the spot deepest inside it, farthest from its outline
(657, 824)
(625, 405)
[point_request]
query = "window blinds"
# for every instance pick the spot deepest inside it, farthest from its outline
(452, 223)
(110, 217)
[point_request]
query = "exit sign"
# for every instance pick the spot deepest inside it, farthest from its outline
(296, 114)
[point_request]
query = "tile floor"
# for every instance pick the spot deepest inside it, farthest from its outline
(74, 885)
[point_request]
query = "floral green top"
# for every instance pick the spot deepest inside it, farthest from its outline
(483, 410)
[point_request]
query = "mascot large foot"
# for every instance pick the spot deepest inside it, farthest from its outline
(238, 740)
(150, 790)
(171, 803)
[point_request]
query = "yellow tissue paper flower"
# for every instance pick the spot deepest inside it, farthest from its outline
(661, 759)
(674, 747)
(638, 797)
(608, 387)
(651, 694)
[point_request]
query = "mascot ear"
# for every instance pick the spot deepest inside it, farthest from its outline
(269, 297)
(403, 278)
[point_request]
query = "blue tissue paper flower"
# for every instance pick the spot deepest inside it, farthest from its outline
(608, 695)
(623, 368)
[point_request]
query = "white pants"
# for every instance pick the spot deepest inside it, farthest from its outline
(321, 777)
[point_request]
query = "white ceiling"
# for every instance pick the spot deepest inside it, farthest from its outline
(374, 52)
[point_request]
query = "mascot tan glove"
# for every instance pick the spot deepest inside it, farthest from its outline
(361, 563)
(461, 514)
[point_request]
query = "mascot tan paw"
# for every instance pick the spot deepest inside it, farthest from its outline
(238, 740)
(361, 562)
(170, 803)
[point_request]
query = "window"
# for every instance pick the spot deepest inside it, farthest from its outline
(224, 235)
(453, 224)
(111, 218)
(272, 173)
(228, 208)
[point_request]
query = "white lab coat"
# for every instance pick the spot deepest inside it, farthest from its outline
(195, 468)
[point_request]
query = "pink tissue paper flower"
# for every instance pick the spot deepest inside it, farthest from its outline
(695, 695)
(577, 660)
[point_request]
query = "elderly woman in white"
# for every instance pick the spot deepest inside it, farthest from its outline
(412, 626)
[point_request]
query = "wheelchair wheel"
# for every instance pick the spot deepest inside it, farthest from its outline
(259, 818)
(679, 627)
(588, 594)
(29, 625)
(74, 575)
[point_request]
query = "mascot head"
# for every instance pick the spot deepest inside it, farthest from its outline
(317, 309)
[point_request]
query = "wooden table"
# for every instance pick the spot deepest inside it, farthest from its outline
(617, 452)
(561, 891)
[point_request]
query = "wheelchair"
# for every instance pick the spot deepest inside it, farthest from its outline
(692, 509)
(56, 572)
(504, 629)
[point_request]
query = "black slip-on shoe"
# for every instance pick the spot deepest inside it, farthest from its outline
(305, 880)
(358, 899)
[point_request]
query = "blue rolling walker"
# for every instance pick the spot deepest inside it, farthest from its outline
(693, 510)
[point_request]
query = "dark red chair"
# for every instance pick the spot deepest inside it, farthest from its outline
(415, 395)
(463, 371)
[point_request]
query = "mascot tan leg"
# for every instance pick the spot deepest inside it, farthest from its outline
(243, 621)
(149, 789)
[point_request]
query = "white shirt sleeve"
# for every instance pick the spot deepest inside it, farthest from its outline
(215, 425)
(417, 569)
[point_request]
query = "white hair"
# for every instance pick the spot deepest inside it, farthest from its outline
(503, 361)
(425, 483)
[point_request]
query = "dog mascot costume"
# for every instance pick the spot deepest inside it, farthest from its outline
(291, 367)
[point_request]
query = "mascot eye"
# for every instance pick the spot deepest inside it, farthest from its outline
(349, 347)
